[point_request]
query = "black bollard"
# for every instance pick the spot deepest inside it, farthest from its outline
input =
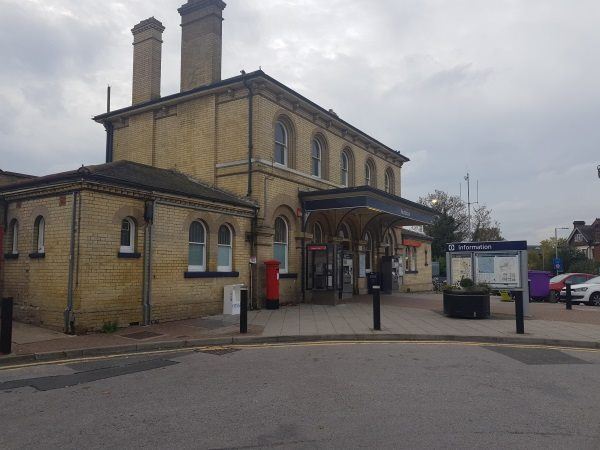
(6, 322)
(569, 301)
(519, 316)
(244, 311)
(376, 308)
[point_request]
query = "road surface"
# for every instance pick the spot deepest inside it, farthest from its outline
(349, 395)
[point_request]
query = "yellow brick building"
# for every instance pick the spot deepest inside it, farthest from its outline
(199, 189)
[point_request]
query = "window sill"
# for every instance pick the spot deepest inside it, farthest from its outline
(8, 256)
(289, 276)
(411, 272)
(129, 255)
(211, 274)
(37, 255)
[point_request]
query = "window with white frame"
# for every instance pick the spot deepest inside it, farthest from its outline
(317, 157)
(197, 247)
(225, 249)
(14, 237)
(127, 236)
(368, 252)
(370, 174)
(39, 234)
(413, 259)
(345, 167)
(389, 182)
(280, 244)
(281, 144)
(317, 233)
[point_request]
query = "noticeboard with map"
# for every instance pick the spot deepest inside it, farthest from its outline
(498, 270)
(461, 267)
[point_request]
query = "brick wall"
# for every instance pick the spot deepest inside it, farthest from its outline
(39, 286)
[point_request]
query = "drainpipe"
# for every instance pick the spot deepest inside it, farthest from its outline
(303, 270)
(250, 131)
(147, 283)
(69, 317)
(3, 226)
(254, 267)
(109, 127)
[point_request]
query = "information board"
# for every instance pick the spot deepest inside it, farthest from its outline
(498, 270)
(462, 267)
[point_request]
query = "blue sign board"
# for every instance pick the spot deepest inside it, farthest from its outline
(558, 264)
(496, 246)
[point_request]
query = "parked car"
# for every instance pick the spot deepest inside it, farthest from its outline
(588, 292)
(557, 283)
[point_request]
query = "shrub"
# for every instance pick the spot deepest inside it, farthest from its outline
(109, 327)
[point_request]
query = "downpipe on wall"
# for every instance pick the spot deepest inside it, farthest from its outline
(69, 316)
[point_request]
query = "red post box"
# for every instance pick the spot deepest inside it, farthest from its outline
(272, 283)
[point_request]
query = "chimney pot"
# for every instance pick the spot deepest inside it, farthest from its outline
(147, 54)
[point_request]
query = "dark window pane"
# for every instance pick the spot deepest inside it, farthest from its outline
(197, 232)
(224, 236)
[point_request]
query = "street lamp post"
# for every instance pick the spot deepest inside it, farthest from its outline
(556, 243)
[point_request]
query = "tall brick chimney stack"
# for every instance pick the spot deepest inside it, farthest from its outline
(201, 42)
(147, 53)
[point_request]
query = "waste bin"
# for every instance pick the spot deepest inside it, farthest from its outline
(539, 288)
(232, 299)
(373, 279)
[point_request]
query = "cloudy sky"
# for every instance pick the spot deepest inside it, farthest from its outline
(508, 90)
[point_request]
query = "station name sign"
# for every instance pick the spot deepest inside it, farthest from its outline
(486, 246)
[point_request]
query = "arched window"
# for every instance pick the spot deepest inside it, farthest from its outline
(39, 234)
(225, 244)
(370, 174)
(280, 244)
(127, 236)
(281, 144)
(368, 252)
(14, 237)
(317, 233)
(317, 158)
(345, 168)
(197, 247)
(389, 182)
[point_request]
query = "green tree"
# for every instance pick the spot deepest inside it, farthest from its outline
(452, 224)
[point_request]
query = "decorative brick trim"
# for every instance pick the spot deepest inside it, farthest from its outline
(129, 255)
(211, 274)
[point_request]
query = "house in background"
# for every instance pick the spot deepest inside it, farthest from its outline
(586, 238)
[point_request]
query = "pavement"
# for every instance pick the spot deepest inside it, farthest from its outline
(404, 317)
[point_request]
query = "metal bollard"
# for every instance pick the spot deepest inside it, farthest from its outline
(6, 323)
(377, 308)
(519, 316)
(244, 311)
(569, 301)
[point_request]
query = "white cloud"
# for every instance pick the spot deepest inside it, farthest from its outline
(507, 90)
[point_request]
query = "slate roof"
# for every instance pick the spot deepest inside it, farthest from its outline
(141, 176)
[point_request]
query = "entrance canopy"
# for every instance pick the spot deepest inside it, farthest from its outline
(366, 199)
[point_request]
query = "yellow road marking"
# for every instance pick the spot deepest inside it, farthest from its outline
(293, 344)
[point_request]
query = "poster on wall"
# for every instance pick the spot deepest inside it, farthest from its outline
(498, 270)
(461, 268)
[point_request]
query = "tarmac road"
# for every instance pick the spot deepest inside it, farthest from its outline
(346, 395)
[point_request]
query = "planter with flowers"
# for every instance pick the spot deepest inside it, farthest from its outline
(468, 300)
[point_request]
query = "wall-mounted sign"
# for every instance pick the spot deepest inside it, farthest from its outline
(317, 248)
